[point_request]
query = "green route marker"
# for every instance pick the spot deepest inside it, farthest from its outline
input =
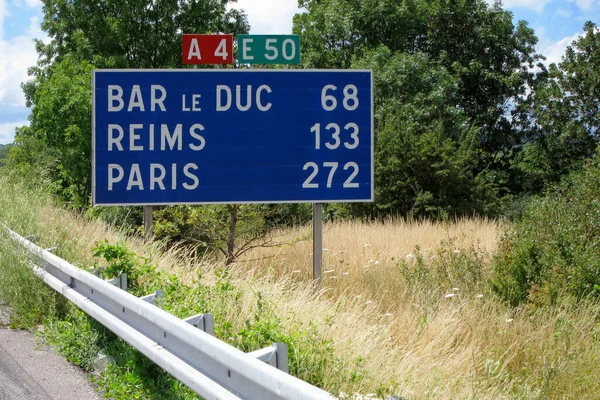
(269, 49)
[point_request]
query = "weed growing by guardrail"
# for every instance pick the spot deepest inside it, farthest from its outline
(132, 375)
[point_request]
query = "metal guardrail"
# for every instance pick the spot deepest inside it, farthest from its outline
(211, 368)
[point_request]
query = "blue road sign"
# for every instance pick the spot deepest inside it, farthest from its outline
(253, 136)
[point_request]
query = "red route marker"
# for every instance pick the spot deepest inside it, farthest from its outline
(207, 49)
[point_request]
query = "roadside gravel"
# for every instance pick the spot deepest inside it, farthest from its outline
(28, 372)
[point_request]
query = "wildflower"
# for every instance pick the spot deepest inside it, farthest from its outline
(479, 296)
(455, 289)
(456, 251)
(410, 257)
(377, 263)
(371, 261)
(449, 295)
(325, 249)
(509, 320)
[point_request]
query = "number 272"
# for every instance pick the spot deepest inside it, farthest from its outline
(333, 166)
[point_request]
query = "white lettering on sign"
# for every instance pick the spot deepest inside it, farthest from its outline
(135, 100)
(112, 178)
(157, 176)
(154, 180)
(157, 101)
(188, 174)
(133, 137)
(115, 140)
(115, 93)
(246, 42)
(142, 137)
(350, 139)
(135, 178)
(195, 103)
(224, 98)
(194, 50)
(158, 95)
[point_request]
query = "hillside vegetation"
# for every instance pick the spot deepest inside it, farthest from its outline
(474, 273)
(407, 308)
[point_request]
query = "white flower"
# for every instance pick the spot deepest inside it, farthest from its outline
(479, 296)
(455, 289)
(509, 320)
(449, 295)
(377, 263)
(410, 257)
(325, 249)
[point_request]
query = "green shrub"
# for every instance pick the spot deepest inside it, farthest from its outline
(554, 249)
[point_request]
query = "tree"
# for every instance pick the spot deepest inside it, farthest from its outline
(488, 58)
(427, 150)
(62, 119)
(564, 115)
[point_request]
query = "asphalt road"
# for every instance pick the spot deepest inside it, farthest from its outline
(29, 372)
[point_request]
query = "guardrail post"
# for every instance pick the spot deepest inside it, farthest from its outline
(204, 322)
(120, 281)
(281, 357)
(154, 297)
(275, 355)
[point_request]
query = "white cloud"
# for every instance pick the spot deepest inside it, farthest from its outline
(269, 16)
(563, 13)
(535, 5)
(7, 131)
(585, 5)
(553, 50)
(18, 54)
(13, 69)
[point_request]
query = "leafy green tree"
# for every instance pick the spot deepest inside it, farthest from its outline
(554, 249)
(62, 118)
(481, 64)
(132, 33)
(426, 154)
(564, 115)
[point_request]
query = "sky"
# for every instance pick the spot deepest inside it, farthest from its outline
(556, 23)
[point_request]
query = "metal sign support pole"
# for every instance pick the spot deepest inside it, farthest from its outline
(317, 230)
(148, 221)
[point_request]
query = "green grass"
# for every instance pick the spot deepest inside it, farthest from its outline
(416, 342)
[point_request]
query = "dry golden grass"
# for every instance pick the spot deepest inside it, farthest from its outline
(363, 258)
(419, 343)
